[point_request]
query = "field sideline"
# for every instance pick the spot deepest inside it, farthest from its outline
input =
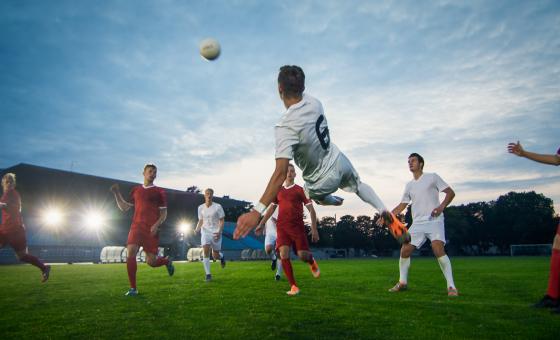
(350, 300)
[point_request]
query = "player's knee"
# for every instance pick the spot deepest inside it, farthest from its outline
(556, 242)
(406, 250)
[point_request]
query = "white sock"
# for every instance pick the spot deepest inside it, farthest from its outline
(206, 263)
(279, 268)
(368, 195)
(273, 256)
(404, 264)
(445, 265)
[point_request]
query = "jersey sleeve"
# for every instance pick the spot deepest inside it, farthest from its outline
(162, 199)
(286, 138)
(221, 213)
(304, 197)
(406, 195)
(200, 212)
(440, 183)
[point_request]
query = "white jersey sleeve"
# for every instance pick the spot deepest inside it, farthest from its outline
(440, 183)
(286, 138)
(200, 212)
(406, 195)
(221, 213)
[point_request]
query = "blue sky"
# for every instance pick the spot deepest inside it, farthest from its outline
(104, 87)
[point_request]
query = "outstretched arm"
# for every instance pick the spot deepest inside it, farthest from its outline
(121, 203)
(517, 149)
(248, 221)
(314, 231)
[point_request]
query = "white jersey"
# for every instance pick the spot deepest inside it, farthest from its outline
(424, 195)
(302, 134)
(210, 217)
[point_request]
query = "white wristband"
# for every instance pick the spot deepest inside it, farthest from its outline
(260, 208)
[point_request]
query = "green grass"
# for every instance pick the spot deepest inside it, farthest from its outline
(350, 300)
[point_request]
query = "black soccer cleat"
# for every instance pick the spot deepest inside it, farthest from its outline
(223, 261)
(273, 264)
(547, 302)
(170, 267)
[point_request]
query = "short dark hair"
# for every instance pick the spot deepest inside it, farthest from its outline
(150, 165)
(420, 158)
(292, 80)
(290, 164)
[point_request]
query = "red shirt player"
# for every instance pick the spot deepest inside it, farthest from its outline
(150, 211)
(290, 228)
(552, 297)
(12, 230)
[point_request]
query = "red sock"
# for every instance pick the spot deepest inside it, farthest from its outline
(131, 268)
(33, 260)
(161, 261)
(554, 279)
(287, 266)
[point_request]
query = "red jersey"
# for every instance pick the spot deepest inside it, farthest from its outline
(11, 215)
(290, 202)
(147, 203)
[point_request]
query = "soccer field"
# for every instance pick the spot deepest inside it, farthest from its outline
(350, 300)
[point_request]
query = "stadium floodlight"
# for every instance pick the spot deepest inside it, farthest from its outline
(94, 220)
(52, 217)
(183, 227)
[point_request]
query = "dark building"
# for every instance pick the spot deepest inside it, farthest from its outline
(74, 195)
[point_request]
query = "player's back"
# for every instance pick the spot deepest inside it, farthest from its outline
(11, 215)
(313, 151)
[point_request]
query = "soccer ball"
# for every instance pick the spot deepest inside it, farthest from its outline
(209, 49)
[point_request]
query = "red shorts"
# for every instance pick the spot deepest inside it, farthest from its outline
(15, 238)
(143, 237)
(295, 238)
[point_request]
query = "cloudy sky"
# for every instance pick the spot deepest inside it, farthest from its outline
(102, 87)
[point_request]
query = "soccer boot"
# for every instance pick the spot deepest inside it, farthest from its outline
(46, 273)
(396, 227)
(208, 277)
(131, 292)
(294, 290)
(399, 287)
(547, 302)
(223, 261)
(315, 269)
(170, 267)
(452, 292)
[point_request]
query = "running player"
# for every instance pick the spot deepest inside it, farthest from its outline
(552, 296)
(12, 230)
(302, 134)
(211, 221)
(422, 192)
(150, 211)
(268, 226)
(291, 230)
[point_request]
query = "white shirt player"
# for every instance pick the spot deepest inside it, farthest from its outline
(270, 231)
(210, 217)
(302, 134)
(424, 195)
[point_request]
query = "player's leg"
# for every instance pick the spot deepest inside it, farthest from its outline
(206, 248)
(302, 249)
(217, 253)
(151, 244)
(438, 247)
(131, 267)
(404, 265)
(552, 297)
(288, 270)
(18, 242)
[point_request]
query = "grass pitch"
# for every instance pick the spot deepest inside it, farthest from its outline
(350, 300)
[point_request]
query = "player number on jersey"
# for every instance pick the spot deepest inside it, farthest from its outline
(323, 135)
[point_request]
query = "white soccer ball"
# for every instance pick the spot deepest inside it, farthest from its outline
(209, 49)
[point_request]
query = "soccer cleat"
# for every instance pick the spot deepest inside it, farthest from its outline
(396, 227)
(223, 261)
(399, 287)
(293, 291)
(273, 264)
(170, 267)
(315, 269)
(131, 292)
(547, 302)
(208, 277)
(277, 277)
(46, 273)
(452, 291)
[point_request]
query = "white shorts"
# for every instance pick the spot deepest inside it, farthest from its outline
(270, 234)
(207, 238)
(341, 176)
(433, 231)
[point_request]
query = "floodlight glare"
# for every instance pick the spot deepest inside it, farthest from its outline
(183, 227)
(52, 217)
(94, 220)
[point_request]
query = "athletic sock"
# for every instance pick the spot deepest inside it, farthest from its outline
(368, 195)
(554, 279)
(28, 258)
(273, 256)
(287, 266)
(445, 265)
(131, 269)
(206, 263)
(279, 268)
(404, 265)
